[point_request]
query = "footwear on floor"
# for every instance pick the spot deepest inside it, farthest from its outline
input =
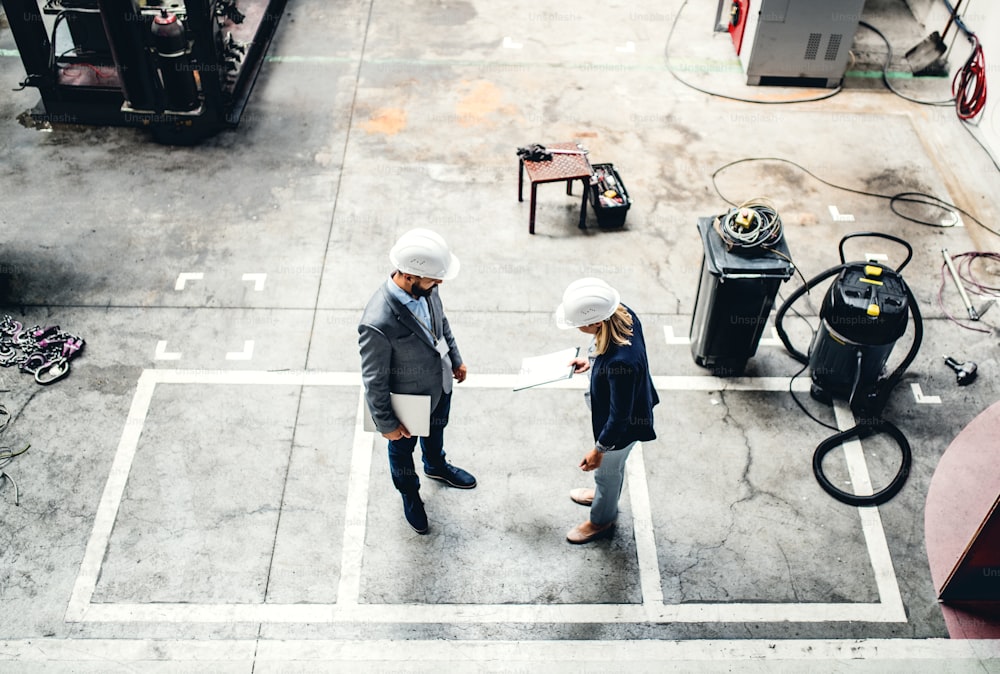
(583, 496)
(413, 510)
(452, 476)
(587, 532)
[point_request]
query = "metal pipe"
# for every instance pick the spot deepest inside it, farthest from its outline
(973, 314)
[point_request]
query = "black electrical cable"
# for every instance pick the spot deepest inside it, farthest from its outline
(885, 72)
(968, 87)
(670, 67)
(902, 197)
(795, 398)
(753, 224)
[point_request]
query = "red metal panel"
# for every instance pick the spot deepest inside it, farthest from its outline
(739, 10)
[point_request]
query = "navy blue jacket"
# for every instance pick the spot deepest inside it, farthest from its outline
(622, 394)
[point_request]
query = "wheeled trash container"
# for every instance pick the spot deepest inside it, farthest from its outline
(736, 291)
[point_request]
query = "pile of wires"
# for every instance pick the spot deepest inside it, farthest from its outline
(969, 85)
(752, 224)
(971, 283)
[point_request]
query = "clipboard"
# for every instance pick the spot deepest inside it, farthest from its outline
(413, 411)
(545, 369)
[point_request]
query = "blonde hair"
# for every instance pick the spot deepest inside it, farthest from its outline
(617, 329)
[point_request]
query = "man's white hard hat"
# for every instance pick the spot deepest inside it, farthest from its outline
(422, 252)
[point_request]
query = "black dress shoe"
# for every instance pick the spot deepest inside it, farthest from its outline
(452, 476)
(413, 510)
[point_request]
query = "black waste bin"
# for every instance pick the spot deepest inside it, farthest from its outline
(736, 292)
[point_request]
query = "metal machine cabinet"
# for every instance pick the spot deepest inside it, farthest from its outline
(183, 68)
(797, 42)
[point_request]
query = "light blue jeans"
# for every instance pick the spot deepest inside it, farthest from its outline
(608, 479)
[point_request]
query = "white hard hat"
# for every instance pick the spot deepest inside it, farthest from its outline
(422, 252)
(586, 301)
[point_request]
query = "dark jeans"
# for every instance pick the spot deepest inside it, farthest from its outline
(404, 477)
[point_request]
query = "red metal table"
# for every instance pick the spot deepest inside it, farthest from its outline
(568, 167)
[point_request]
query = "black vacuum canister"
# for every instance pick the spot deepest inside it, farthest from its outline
(863, 315)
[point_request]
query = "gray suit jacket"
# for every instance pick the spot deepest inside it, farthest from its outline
(398, 356)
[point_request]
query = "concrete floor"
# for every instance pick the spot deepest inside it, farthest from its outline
(199, 494)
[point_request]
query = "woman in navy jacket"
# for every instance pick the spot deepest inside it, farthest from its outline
(621, 396)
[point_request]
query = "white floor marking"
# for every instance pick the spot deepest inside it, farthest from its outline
(514, 654)
(668, 334)
(876, 257)
(773, 340)
(258, 280)
(107, 509)
(245, 354)
(508, 43)
(628, 48)
(163, 354)
(186, 276)
(673, 340)
(871, 521)
(348, 608)
(840, 217)
(919, 397)
(356, 511)
(642, 525)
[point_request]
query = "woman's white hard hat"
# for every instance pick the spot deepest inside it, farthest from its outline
(586, 301)
(423, 252)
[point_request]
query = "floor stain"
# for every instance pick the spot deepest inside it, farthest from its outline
(387, 121)
(483, 99)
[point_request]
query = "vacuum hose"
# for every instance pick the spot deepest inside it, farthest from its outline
(867, 409)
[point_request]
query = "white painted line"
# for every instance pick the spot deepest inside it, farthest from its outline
(920, 398)
(673, 340)
(163, 354)
(628, 48)
(353, 546)
(258, 280)
(871, 521)
(245, 354)
(513, 653)
(668, 334)
(508, 43)
(642, 525)
(186, 276)
(490, 613)
(876, 257)
(80, 608)
(107, 509)
(954, 221)
(840, 217)
(773, 340)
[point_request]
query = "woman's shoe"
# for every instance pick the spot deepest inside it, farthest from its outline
(588, 532)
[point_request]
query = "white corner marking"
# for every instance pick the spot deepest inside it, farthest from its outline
(186, 276)
(163, 354)
(245, 354)
(258, 280)
(840, 217)
(668, 333)
(919, 396)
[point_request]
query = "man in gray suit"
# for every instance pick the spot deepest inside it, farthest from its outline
(407, 347)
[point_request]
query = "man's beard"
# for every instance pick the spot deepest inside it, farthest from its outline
(417, 291)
